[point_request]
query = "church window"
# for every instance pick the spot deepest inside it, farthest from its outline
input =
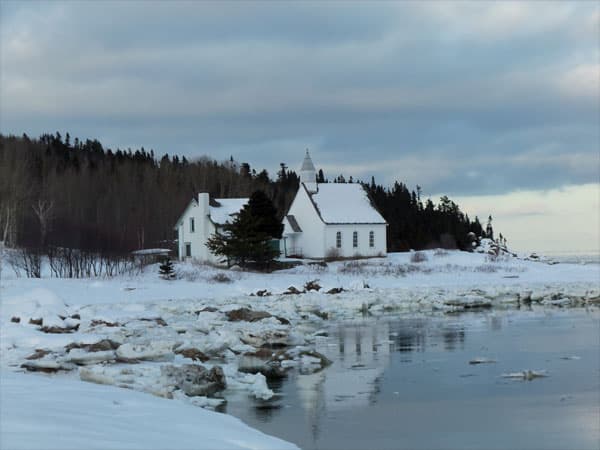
(355, 239)
(338, 239)
(371, 239)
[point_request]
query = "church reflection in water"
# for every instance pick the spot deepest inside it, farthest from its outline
(361, 352)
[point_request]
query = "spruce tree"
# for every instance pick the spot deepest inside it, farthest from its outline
(166, 270)
(242, 242)
(264, 212)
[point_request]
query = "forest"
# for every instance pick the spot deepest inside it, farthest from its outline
(63, 193)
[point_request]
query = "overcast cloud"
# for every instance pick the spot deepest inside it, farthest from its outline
(466, 98)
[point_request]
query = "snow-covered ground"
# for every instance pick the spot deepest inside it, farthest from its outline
(157, 336)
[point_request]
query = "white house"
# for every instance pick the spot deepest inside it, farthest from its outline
(200, 220)
(332, 220)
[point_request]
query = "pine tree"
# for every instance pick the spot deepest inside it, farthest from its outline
(242, 242)
(262, 208)
(489, 231)
(166, 270)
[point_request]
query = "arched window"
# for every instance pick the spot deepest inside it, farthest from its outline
(355, 239)
(371, 239)
(338, 239)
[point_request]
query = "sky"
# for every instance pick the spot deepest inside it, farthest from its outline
(496, 104)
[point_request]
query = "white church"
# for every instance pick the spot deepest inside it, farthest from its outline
(325, 220)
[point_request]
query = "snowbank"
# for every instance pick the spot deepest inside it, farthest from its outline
(41, 412)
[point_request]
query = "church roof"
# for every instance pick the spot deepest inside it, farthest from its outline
(307, 164)
(227, 207)
(341, 203)
(293, 223)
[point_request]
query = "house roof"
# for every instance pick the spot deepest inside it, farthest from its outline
(345, 203)
(228, 206)
(293, 223)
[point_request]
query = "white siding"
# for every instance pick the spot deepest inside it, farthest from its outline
(311, 241)
(363, 249)
(203, 229)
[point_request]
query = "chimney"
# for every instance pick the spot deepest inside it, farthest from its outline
(203, 203)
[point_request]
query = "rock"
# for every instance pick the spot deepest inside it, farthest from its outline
(292, 290)
(195, 380)
(100, 346)
(336, 290)
(246, 315)
(46, 366)
(270, 368)
(271, 339)
(82, 357)
(482, 361)
(158, 320)
(469, 302)
(282, 320)
(263, 293)
(39, 353)
(152, 351)
(60, 330)
(15, 319)
(193, 353)
(321, 314)
(312, 286)
(103, 345)
(35, 321)
(95, 323)
(206, 309)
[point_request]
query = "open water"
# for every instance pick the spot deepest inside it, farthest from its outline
(400, 382)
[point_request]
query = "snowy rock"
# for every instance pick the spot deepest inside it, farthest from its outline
(46, 365)
(195, 380)
(192, 353)
(154, 350)
(270, 338)
(82, 357)
(247, 315)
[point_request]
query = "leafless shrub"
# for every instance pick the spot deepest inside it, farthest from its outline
(496, 258)
(352, 267)
(486, 268)
(28, 260)
(333, 254)
(418, 257)
(220, 278)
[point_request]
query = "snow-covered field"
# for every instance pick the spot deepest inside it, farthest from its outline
(186, 339)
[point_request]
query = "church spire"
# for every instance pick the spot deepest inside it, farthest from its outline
(308, 174)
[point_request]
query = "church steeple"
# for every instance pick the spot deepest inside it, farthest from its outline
(308, 174)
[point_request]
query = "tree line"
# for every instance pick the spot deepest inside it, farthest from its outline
(64, 193)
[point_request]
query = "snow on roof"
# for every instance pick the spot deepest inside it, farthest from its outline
(228, 206)
(151, 251)
(345, 203)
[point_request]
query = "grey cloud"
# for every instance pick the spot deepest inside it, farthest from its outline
(432, 91)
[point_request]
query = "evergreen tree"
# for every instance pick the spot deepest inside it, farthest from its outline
(166, 270)
(263, 210)
(320, 176)
(489, 231)
(242, 242)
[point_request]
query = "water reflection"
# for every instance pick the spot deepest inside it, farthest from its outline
(407, 382)
(361, 352)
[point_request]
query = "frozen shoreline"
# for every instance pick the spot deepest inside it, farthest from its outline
(140, 325)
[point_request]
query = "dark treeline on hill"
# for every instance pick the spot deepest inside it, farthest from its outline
(55, 191)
